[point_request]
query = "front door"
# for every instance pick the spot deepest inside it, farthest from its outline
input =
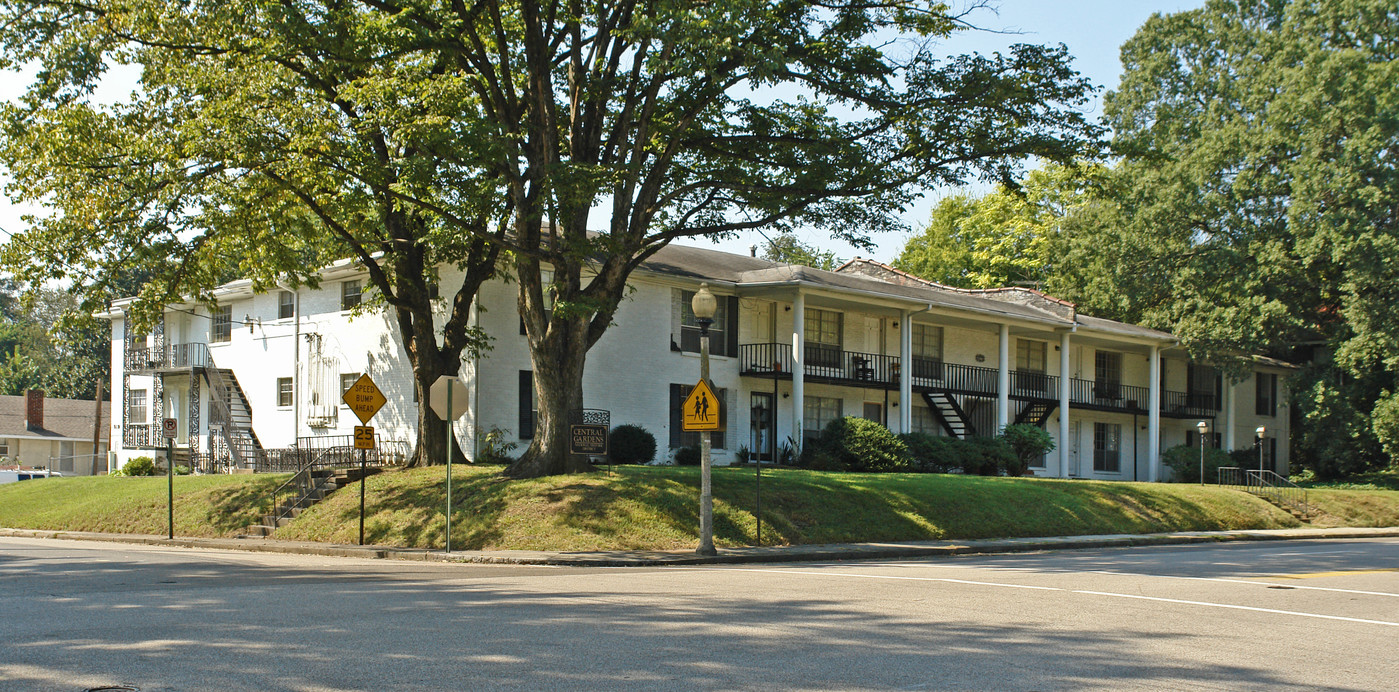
(762, 427)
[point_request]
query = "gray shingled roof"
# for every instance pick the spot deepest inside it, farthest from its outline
(64, 419)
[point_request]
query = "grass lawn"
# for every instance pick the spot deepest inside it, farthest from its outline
(205, 506)
(657, 508)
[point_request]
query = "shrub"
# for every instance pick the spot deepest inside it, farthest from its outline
(631, 444)
(1028, 444)
(859, 444)
(687, 456)
(1184, 462)
(988, 456)
(139, 466)
(494, 448)
(933, 454)
(181, 470)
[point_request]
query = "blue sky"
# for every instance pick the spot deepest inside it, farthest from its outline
(1093, 30)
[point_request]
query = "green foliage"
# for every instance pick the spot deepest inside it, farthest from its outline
(181, 470)
(687, 456)
(933, 454)
(857, 444)
(984, 456)
(1028, 443)
(787, 248)
(1184, 462)
(1385, 422)
(139, 466)
(48, 343)
(1337, 437)
(631, 444)
(496, 446)
(988, 456)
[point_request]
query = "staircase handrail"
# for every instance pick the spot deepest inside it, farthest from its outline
(218, 396)
(1280, 490)
(312, 460)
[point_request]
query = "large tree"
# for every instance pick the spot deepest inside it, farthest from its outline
(411, 132)
(266, 140)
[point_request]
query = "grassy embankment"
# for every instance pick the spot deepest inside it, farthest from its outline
(655, 508)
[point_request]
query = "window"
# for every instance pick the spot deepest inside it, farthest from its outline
(723, 333)
(925, 422)
(284, 391)
(136, 407)
(1107, 447)
(529, 405)
(1030, 356)
(347, 380)
(349, 294)
(819, 412)
(927, 351)
(1107, 375)
(1204, 386)
(1266, 402)
(286, 305)
(4, 448)
(222, 330)
(822, 333)
(678, 436)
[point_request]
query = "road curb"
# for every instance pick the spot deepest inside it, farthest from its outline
(639, 558)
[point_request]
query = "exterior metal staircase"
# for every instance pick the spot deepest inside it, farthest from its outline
(1269, 486)
(232, 417)
(304, 490)
(1036, 412)
(950, 414)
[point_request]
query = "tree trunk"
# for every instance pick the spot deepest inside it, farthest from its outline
(428, 449)
(558, 382)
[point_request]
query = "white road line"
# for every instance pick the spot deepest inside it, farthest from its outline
(1206, 604)
(1239, 607)
(1266, 584)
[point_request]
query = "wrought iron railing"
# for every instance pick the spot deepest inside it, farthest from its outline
(1268, 485)
(172, 357)
(315, 454)
(136, 435)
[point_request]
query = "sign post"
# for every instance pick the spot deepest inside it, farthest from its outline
(364, 398)
(169, 428)
(448, 398)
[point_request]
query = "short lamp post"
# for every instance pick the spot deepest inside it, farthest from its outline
(705, 306)
(1261, 432)
(1203, 427)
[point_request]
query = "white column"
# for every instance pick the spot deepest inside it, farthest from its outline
(1230, 396)
(798, 365)
(906, 372)
(1003, 382)
(1153, 419)
(1064, 382)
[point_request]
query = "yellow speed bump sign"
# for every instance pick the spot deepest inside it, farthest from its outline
(364, 398)
(702, 410)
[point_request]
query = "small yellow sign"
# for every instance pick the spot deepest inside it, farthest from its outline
(702, 410)
(364, 398)
(364, 437)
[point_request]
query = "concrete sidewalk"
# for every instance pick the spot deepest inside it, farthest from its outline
(646, 558)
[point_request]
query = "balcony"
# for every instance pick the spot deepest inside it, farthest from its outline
(828, 365)
(165, 359)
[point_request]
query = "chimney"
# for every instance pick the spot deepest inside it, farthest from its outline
(34, 409)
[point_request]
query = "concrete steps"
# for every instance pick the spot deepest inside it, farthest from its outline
(323, 483)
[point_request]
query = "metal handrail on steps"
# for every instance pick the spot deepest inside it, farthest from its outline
(1267, 485)
(294, 493)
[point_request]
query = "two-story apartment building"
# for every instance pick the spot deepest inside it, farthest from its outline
(793, 348)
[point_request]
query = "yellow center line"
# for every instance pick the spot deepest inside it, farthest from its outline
(1341, 573)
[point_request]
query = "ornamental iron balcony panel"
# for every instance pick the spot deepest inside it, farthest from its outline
(174, 357)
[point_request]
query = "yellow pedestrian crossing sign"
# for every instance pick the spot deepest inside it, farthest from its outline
(702, 410)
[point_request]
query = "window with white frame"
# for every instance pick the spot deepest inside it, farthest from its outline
(136, 410)
(347, 380)
(286, 305)
(4, 448)
(822, 332)
(925, 422)
(718, 330)
(1266, 399)
(350, 294)
(1107, 447)
(1031, 355)
(819, 411)
(285, 391)
(222, 329)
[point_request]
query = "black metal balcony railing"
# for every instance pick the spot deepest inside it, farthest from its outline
(173, 357)
(830, 365)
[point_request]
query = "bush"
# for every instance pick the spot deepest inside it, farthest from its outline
(988, 456)
(687, 456)
(1184, 462)
(631, 444)
(181, 470)
(933, 454)
(1028, 444)
(139, 466)
(494, 446)
(859, 444)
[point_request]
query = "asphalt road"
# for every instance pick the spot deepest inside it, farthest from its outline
(1271, 615)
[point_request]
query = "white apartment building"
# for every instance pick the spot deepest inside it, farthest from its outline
(793, 348)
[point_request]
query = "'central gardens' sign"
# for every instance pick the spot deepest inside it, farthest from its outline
(587, 439)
